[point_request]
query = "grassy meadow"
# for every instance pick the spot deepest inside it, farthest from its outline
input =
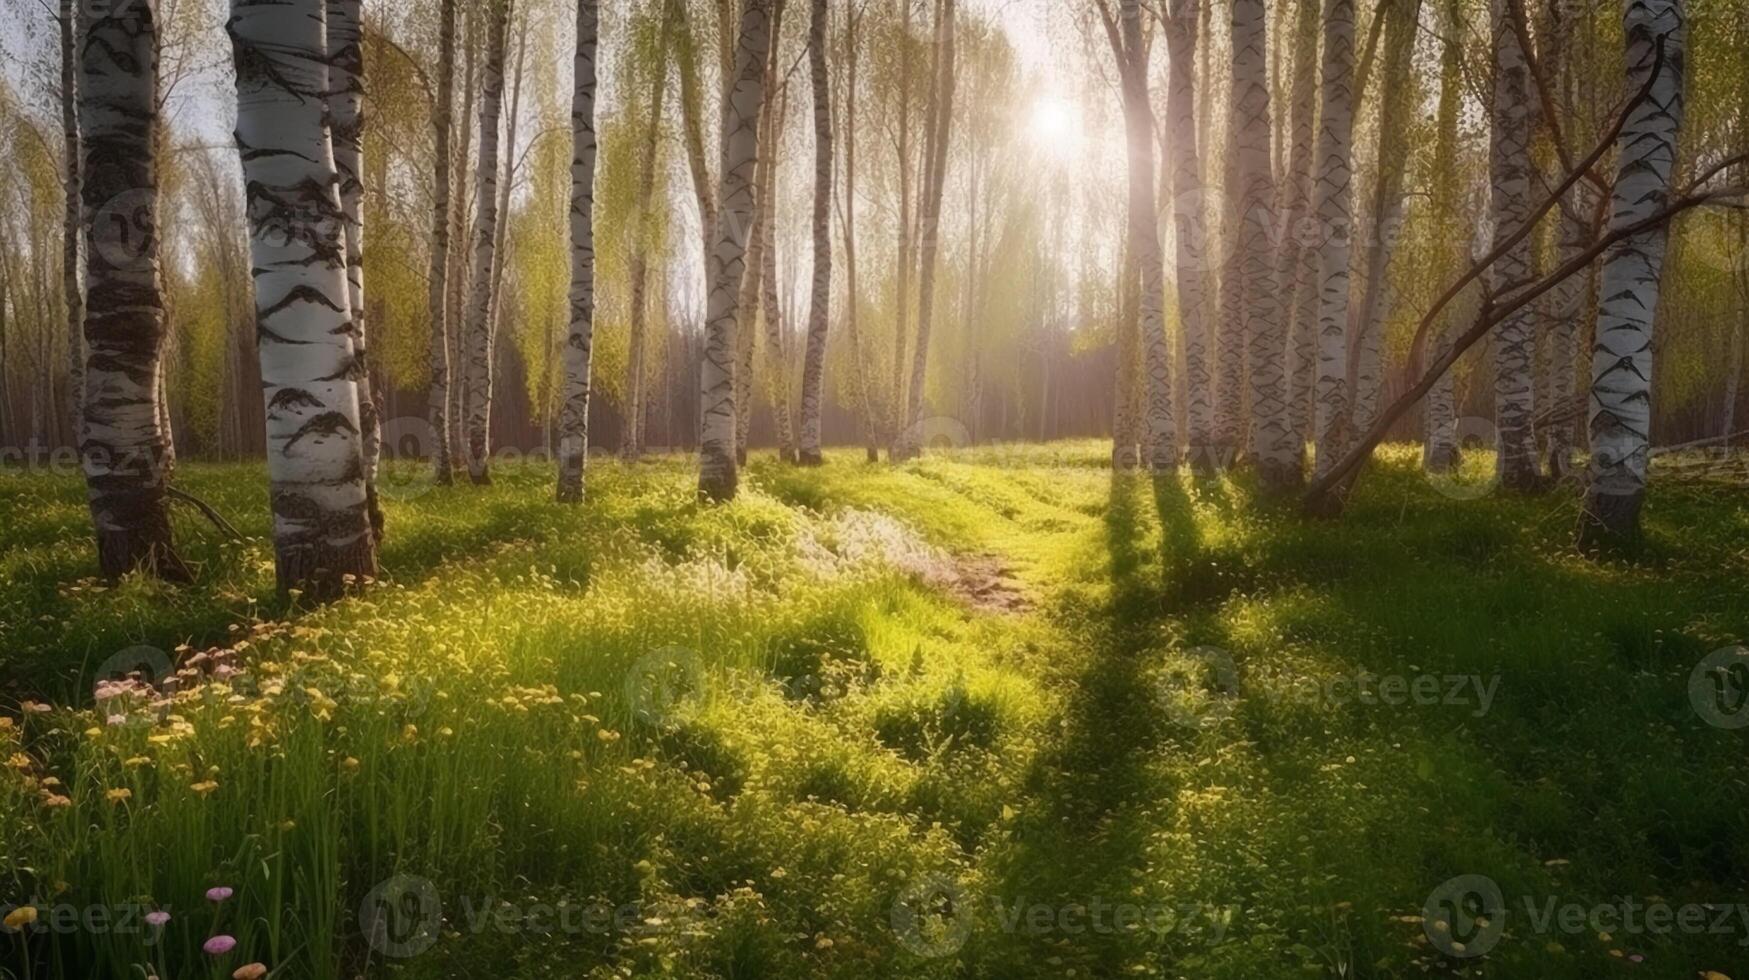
(996, 713)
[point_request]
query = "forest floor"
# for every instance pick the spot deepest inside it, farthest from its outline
(982, 715)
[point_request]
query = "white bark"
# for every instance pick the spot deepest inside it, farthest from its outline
(346, 124)
(1295, 264)
(819, 301)
(1332, 201)
(478, 331)
(1621, 357)
(309, 365)
(1191, 230)
(121, 443)
(436, 297)
(1274, 446)
(580, 338)
(1510, 169)
(717, 473)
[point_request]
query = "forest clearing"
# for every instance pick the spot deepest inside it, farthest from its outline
(763, 736)
(767, 489)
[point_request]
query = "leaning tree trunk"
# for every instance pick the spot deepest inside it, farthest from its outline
(1621, 356)
(1510, 173)
(437, 291)
(936, 162)
(346, 123)
(814, 361)
(121, 444)
(1402, 18)
(717, 477)
(1295, 264)
(1439, 424)
(1331, 200)
(478, 332)
(580, 338)
(71, 292)
(1191, 236)
(322, 534)
(1274, 446)
(632, 440)
(1144, 239)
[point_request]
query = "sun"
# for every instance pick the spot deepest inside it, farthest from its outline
(1055, 126)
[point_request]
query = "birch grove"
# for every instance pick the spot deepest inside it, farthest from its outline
(322, 534)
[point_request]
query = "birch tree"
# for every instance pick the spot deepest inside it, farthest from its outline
(1131, 51)
(1510, 176)
(1273, 445)
(1439, 448)
(1190, 236)
(1386, 208)
(631, 442)
(1621, 355)
(771, 308)
(71, 290)
(580, 337)
(121, 441)
(1296, 265)
(323, 540)
(718, 478)
(346, 124)
(478, 390)
(1331, 200)
(935, 163)
(437, 291)
(819, 301)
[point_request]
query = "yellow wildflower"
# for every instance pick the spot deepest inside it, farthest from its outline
(118, 795)
(204, 787)
(20, 917)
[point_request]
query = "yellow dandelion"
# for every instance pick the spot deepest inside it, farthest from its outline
(118, 795)
(136, 761)
(55, 801)
(204, 786)
(350, 764)
(20, 917)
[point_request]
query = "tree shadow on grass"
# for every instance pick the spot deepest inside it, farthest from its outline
(1081, 840)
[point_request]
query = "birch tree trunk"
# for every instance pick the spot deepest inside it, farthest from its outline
(580, 337)
(864, 380)
(71, 290)
(346, 124)
(1510, 172)
(1401, 21)
(1621, 356)
(459, 258)
(1331, 199)
(1572, 297)
(121, 444)
(776, 342)
(1191, 230)
(936, 154)
(323, 541)
(691, 113)
(478, 330)
(437, 291)
(718, 478)
(632, 440)
(1439, 445)
(814, 360)
(907, 254)
(1273, 445)
(1295, 264)
(1144, 240)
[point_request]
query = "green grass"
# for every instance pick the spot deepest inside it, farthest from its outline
(648, 738)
